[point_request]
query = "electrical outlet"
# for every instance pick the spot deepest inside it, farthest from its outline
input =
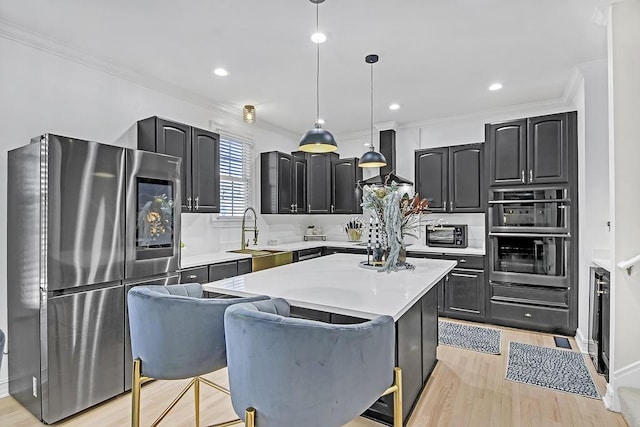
(35, 387)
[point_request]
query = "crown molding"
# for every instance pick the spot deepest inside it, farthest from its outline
(557, 103)
(572, 86)
(386, 126)
(54, 47)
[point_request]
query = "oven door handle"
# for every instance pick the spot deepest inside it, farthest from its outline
(565, 235)
(508, 202)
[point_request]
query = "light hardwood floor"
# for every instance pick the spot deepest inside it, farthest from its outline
(466, 388)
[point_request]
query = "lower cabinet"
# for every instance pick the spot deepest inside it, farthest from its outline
(464, 294)
(195, 275)
(543, 308)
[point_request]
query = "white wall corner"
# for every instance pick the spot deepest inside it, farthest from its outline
(572, 86)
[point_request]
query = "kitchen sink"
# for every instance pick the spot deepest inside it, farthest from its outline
(261, 259)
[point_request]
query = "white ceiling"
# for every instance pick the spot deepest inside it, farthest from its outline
(437, 58)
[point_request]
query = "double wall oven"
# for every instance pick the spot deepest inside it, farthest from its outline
(529, 236)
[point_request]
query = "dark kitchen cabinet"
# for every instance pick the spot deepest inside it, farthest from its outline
(531, 151)
(223, 270)
(318, 180)
(299, 185)
(283, 182)
(464, 288)
(346, 193)
(199, 150)
(195, 275)
(450, 178)
(276, 183)
(431, 177)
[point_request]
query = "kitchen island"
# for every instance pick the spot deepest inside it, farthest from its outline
(336, 289)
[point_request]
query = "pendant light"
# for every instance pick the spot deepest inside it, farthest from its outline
(372, 159)
(318, 140)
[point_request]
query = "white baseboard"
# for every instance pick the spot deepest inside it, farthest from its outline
(583, 344)
(4, 387)
(629, 376)
(610, 401)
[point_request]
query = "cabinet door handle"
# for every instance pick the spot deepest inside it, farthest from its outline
(291, 208)
(522, 176)
(309, 210)
(462, 260)
(295, 208)
(451, 206)
(444, 205)
(197, 202)
(332, 209)
(469, 276)
(527, 315)
(189, 203)
(530, 175)
(192, 276)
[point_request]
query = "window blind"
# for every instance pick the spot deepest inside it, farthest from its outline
(235, 176)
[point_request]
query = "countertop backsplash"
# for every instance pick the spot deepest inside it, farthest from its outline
(206, 233)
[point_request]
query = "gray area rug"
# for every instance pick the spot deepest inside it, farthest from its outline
(476, 338)
(562, 370)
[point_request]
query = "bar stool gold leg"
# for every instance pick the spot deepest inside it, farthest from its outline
(397, 399)
(196, 396)
(135, 394)
(250, 417)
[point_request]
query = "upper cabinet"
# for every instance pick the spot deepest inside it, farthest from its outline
(318, 180)
(199, 150)
(346, 194)
(309, 183)
(450, 178)
(530, 151)
(278, 181)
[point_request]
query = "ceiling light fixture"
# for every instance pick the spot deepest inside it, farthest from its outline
(220, 72)
(318, 38)
(372, 159)
(394, 107)
(495, 86)
(318, 140)
(249, 114)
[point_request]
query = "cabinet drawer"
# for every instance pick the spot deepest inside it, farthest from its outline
(195, 275)
(467, 261)
(537, 317)
(536, 295)
(244, 266)
(223, 270)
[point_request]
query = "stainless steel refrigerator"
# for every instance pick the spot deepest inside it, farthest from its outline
(69, 251)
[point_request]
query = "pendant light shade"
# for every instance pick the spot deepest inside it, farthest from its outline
(318, 140)
(372, 159)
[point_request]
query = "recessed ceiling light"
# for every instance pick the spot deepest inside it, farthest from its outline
(221, 72)
(495, 86)
(318, 38)
(394, 106)
(320, 121)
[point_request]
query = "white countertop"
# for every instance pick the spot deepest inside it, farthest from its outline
(337, 284)
(188, 260)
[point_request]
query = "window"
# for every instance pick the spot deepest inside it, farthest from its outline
(235, 176)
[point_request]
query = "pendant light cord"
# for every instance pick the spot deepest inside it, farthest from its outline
(317, 125)
(371, 147)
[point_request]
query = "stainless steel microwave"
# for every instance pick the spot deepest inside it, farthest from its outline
(447, 236)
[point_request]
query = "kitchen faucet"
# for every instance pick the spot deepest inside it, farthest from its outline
(254, 229)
